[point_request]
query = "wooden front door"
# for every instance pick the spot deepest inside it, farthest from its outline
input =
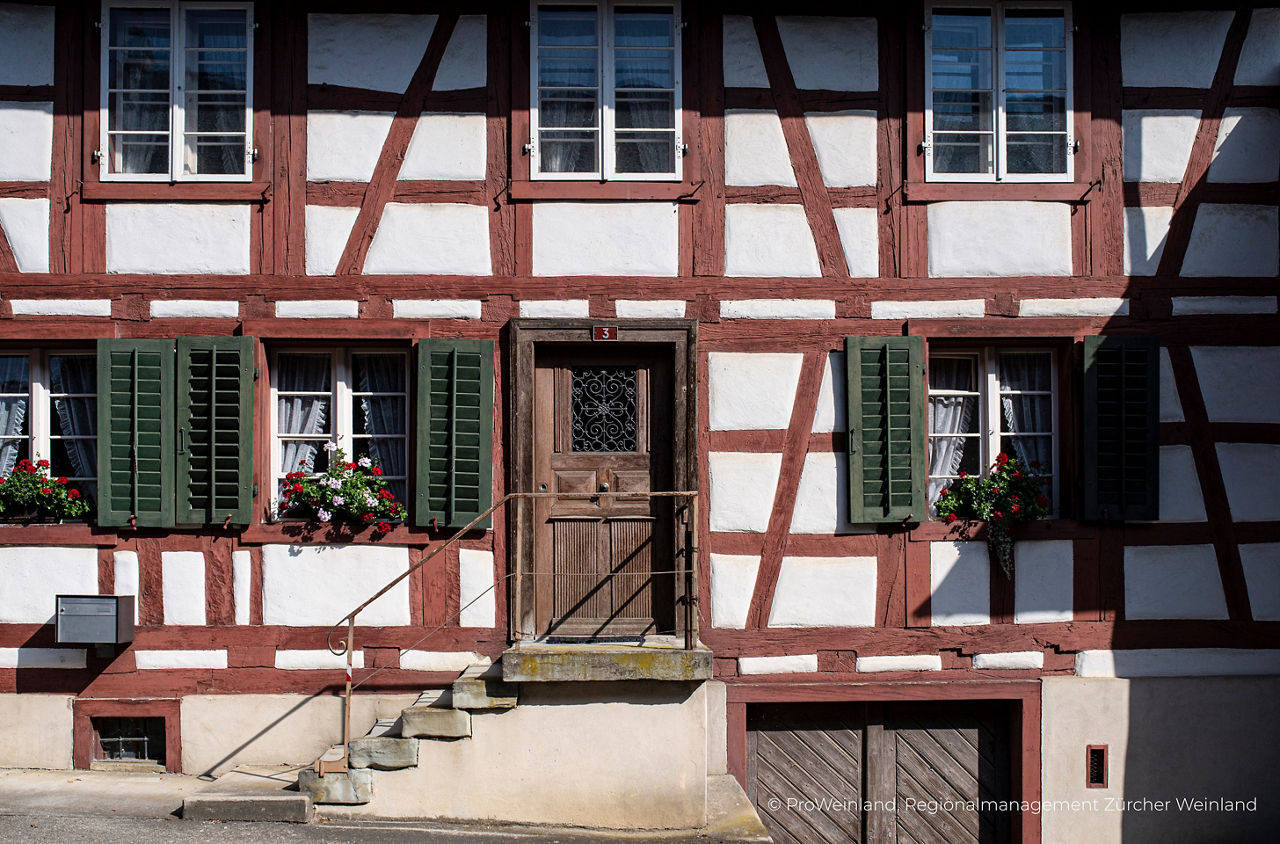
(602, 423)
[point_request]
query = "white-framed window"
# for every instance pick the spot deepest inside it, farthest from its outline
(998, 100)
(605, 91)
(357, 399)
(48, 411)
(990, 400)
(176, 91)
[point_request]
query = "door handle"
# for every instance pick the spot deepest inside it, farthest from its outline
(542, 487)
(604, 487)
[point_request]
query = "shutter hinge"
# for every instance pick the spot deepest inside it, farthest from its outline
(256, 373)
(255, 491)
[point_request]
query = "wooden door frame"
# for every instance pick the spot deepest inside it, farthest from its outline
(525, 338)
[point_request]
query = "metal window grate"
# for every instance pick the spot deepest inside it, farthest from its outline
(129, 740)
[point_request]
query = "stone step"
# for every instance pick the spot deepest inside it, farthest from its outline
(433, 716)
(251, 793)
(481, 687)
(350, 788)
(384, 749)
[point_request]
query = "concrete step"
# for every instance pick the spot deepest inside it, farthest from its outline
(481, 687)
(349, 788)
(384, 749)
(433, 716)
(251, 793)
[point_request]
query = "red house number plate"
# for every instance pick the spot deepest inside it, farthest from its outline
(604, 332)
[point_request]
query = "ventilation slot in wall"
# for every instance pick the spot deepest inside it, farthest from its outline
(1097, 766)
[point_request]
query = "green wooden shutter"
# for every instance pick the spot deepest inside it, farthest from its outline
(215, 430)
(1121, 428)
(135, 433)
(886, 429)
(455, 432)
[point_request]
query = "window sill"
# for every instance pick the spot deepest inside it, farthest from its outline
(597, 190)
(176, 191)
(976, 191)
(74, 534)
(935, 531)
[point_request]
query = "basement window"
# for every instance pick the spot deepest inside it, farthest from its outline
(128, 741)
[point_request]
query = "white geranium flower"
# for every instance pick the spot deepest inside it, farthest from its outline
(364, 463)
(324, 515)
(338, 501)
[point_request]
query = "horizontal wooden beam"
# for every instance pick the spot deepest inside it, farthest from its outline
(810, 101)
(176, 191)
(26, 93)
(343, 98)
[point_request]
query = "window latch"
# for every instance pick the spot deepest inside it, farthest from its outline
(95, 157)
(1073, 147)
(925, 147)
(684, 150)
(252, 155)
(528, 149)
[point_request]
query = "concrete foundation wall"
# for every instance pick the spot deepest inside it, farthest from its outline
(35, 731)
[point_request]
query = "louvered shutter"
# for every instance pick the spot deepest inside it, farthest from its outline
(886, 429)
(1121, 428)
(215, 430)
(135, 433)
(455, 432)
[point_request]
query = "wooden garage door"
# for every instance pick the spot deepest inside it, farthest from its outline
(906, 773)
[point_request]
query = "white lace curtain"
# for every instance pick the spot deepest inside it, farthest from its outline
(949, 415)
(1028, 373)
(13, 410)
(384, 414)
(77, 414)
(301, 414)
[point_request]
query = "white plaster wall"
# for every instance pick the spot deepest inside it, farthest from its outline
(999, 239)
(315, 585)
(1260, 56)
(1193, 305)
(1173, 50)
(1157, 143)
(26, 141)
(845, 142)
(35, 729)
(1177, 662)
(556, 308)
(182, 577)
(431, 238)
(146, 237)
(126, 578)
(31, 578)
(742, 490)
(1172, 581)
(794, 664)
(650, 308)
(752, 391)
(465, 60)
(1081, 307)
(959, 583)
(193, 309)
(1181, 499)
(1230, 378)
(340, 49)
(778, 309)
(743, 64)
(475, 582)
(457, 661)
(1170, 402)
(26, 44)
(344, 146)
(321, 660)
(904, 662)
(317, 309)
(328, 228)
(859, 230)
(936, 309)
(26, 225)
(241, 584)
(446, 146)
(180, 660)
(769, 240)
(833, 401)
(61, 307)
(1234, 240)
(822, 498)
(42, 658)
(825, 592)
(755, 150)
(1249, 471)
(1145, 233)
(1248, 146)
(1031, 660)
(606, 238)
(1043, 574)
(1261, 562)
(733, 580)
(437, 308)
(831, 53)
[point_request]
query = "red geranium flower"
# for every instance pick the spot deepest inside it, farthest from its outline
(1014, 508)
(1002, 458)
(44, 490)
(944, 493)
(368, 517)
(43, 464)
(1017, 475)
(383, 527)
(73, 493)
(1042, 501)
(963, 473)
(385, 493)
(376, 472)
(951, 517)
(997, 515)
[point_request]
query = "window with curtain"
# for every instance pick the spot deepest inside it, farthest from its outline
(48, 411)
(605, 91)
(176, 83)
(986, 401)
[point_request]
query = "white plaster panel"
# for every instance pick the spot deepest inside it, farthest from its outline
(312, 585)
(146, 237)
(26, 224)
(182, 575)
(431, 238)
(743, 63)
(125, 564)
(26, 44)
(778, 309)
(1260, 57)
(845, 143)
(1181, 499)
(42, 658)
(825, 592)
(859, 230)
(1249, 471)
(937, 309)
(1172, 50)
(31, 578)
(1192, 305)
(1145, 233)
(999, 239)
(465, 61)
(769, 240)
(1170, 401)
(1042, 581)
(752, 391)
(606, 238)
(650, 308)
(26, 141)
(833, 401)
(831, 53)
(1157, 143)
(241, 584)
(343, 146)
(794, 664)
(180, 659)
(321, 660)
(1177, 662)
(1091, 307)
(1248, 146)
(908, 662)
(959, 583)
(755, 150)
(446, 146)
(556, 308)
(1013, 660)
(61, 307)
(742, 490)
(328, 229)
(195, 309)
(317, 309)
(436, 308)
(441, 660)
(1261, 563)
(822, 498)
(1172, 581)
(374, 51)
(1234, 240)
(733, 580)
(1236, 381)
(475, 583)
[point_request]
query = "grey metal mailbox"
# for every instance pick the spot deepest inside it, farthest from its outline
(94, 619)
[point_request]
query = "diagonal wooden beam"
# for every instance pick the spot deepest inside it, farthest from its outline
(382, 185)
(8, 262)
